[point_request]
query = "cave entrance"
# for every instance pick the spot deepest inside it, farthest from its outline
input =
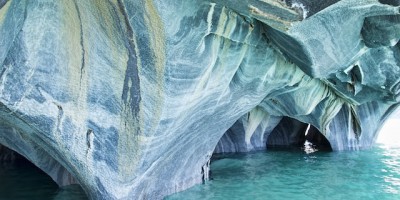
(389, 135)
(293, 134)
(285, 134)
(21, 179)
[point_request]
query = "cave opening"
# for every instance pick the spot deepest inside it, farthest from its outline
(288, 145)
(291, 134)
(287, 136)
(388, 134)
(22, 179)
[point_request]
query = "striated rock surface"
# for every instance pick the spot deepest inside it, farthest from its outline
(129, 98)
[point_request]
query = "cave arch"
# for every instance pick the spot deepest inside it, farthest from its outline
(22, 179)
(291, 133)
(13, 143)
(386, 133)
(9, 157)
(249, 133)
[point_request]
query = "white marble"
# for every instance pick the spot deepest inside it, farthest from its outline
(130, 97)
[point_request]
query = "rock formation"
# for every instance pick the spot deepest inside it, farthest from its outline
(129, 98)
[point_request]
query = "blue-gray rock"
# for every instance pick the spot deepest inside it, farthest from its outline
(129, 98)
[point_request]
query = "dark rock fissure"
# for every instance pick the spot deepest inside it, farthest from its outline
(390, 2)
(318, 140)
(2, 3)
(131, 87)
(8, 155)
(81, 39)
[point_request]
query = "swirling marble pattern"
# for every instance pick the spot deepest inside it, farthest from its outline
(129, 98)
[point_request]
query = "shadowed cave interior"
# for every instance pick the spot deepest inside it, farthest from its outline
(17, 174)
(288, 135)
(274, 133)
(9, 156)
(291, 133)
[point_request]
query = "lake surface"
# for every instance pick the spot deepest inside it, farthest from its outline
(367, 174)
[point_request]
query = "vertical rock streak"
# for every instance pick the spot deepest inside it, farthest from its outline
(131, 89)
(131, 96)
(81, 40)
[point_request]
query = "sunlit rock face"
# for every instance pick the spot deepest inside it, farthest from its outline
(130, 98)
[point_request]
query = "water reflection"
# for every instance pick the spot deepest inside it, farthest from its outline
(391, 171)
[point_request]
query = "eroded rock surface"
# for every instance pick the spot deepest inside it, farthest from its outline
(130, 98)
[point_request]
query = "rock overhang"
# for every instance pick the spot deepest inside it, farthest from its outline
(132, 103)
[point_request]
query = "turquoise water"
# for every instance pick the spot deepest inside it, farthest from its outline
(368, 174)
(21, 180)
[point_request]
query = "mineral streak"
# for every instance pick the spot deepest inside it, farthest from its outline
(129, 98)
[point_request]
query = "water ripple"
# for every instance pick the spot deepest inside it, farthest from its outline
(370, 174)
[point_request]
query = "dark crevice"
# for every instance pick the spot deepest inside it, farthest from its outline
(131, 87)
(355, 74)
(2, 3)
(81, 39)
(355, 122)
(8, 155)
(318, 139)
(59, 117)
(2, 71)
(88, 133)
(205, 171)
(390, 2)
